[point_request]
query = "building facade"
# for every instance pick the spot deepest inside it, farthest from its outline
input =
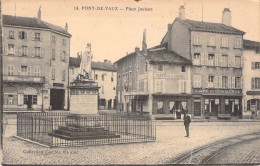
(251, 73)
(35, 61)
(104, 73)
(216, 52)
(155, 80)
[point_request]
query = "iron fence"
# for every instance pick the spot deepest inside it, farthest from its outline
(63, 129)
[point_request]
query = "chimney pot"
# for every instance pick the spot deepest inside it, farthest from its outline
(137, 49)
(66, 27)
(39, 13)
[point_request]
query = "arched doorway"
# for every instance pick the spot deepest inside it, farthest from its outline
(30, 97)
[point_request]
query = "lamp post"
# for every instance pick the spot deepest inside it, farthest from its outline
(1, 73)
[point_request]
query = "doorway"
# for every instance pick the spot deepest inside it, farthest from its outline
(197, 109)
(57, 97)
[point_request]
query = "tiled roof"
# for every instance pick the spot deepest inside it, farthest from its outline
(250, 44)
(160, 54)
(75, 62)
(31, 22)
(210, 27)
(164, 56)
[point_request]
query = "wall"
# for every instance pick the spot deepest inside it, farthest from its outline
(180, 39)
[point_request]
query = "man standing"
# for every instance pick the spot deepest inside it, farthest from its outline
(187, 121)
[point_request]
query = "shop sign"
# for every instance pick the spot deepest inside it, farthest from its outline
(217, 91)
(169, 76)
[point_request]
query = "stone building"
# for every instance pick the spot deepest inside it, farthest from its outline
(104, 73)
(216, 52)
(154, 80)
(36, 55)
(251, 74)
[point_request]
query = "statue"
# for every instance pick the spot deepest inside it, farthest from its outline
(85, 65)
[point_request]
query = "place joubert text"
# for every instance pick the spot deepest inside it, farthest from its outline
(111, 8)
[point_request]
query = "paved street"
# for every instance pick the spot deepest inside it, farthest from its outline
(170, 144)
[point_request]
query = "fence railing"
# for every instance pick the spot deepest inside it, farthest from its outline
(66, 129)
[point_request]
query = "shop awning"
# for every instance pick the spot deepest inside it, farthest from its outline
(253, 92)
(172, 94)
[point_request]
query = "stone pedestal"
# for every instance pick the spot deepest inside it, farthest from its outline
(84, 97)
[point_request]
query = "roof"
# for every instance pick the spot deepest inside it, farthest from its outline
(160, 54)
(130, 54)
(75, 62)
(250, 44)
(210, 27)
(32, 23)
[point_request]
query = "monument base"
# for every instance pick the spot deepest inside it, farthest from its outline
(84, 97)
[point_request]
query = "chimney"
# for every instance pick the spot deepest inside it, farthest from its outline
(182, 12)
(137, 49)
(169, 35)
(39, 13)
(105, 60)
(144, 48)
(66, 27)
(226, 17)
(78, 55)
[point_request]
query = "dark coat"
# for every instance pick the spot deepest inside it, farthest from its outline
(187, 120)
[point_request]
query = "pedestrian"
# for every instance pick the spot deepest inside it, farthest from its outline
(187, 121)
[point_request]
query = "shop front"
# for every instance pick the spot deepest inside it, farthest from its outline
(137, 103)
(217, 103)
(171, 105)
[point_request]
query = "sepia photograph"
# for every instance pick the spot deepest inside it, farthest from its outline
(130, 82)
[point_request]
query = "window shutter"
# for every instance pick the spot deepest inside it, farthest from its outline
(216, 59)
(32, 51)
(233, 61)
(206, 56)
(20, 34)
(220, 62)
(242, 82)
(206, 81)
(242, 61)
(41, 38)
(32, 34)
(29, 71)
(25, 35)
(42, 52)
(253, 65)
(202, 58)
(19, 69)
(20, 99)
(6, 49)
(220, 81)
(233, 82)
(215, 81)
(229, 61)
(180, 84)
(252, 83)
(229, 81)
(20, 51)
(199, 80)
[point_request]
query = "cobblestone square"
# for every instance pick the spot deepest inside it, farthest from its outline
(169, 144)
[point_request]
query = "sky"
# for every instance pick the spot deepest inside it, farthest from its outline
(113, 33)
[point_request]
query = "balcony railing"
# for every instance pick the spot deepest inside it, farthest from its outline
(26, 79)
